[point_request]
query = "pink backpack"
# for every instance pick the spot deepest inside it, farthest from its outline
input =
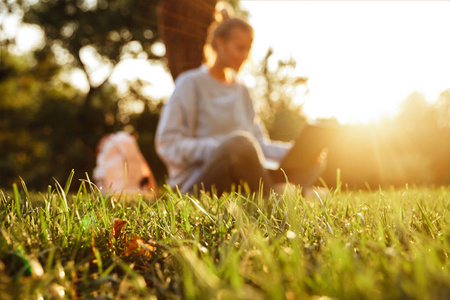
(121, 167)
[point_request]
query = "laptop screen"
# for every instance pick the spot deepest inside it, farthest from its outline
(309, 145)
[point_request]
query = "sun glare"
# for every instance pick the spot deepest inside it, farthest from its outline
(363, 58)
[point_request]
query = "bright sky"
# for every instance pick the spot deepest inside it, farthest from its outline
(363, 58)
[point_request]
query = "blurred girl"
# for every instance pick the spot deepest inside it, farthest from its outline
(209, 134)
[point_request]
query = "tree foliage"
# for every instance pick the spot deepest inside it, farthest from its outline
(275, 90)
(51, 126)
(46, 129)
(111, 28)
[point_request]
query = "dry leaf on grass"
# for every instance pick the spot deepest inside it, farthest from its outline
(117, 226)
(137, 247)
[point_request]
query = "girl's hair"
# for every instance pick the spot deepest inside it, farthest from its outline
(224, 29)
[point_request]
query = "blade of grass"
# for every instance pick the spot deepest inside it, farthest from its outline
(202, 210)
(17, 200)
(69, 182)
(27, 195)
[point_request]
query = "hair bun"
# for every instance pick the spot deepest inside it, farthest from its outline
(224, 11)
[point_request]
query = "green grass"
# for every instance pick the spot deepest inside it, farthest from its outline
(386, 244)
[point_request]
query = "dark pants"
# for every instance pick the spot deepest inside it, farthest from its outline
(239, 159)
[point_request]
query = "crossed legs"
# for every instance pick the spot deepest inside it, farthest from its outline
(239, 159)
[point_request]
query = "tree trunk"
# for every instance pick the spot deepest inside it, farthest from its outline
(183, 27)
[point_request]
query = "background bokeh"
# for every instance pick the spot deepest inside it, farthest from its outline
(57, 100)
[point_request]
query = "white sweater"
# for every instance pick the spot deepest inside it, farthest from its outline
(200, 113)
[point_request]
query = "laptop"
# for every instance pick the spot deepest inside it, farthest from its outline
(307, 147)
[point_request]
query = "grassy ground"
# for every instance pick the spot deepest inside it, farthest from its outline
(390, 244)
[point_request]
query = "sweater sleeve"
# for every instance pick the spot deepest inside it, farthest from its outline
(176, 142)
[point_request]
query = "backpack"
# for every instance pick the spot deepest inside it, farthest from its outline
(121, 167)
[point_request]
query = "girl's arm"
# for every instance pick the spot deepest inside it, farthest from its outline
(176, 142)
